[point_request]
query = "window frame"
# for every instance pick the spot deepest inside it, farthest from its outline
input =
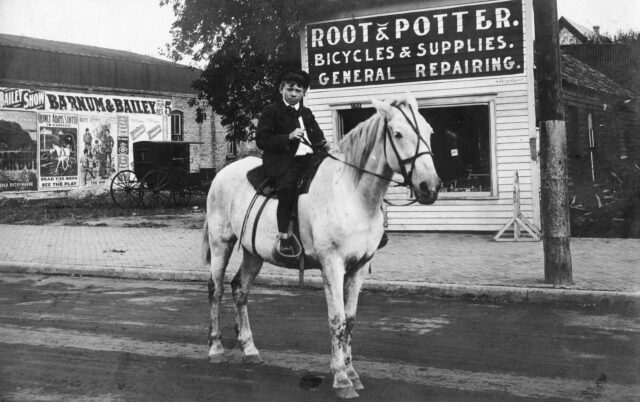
(176, 135)
(488, 99)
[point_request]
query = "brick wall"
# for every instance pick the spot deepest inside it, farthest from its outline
(211, 153)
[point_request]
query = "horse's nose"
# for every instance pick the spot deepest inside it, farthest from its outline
(424, 187)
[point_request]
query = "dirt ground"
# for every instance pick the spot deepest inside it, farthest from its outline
(190, 221)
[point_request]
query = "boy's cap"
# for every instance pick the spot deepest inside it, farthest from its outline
(299, 77)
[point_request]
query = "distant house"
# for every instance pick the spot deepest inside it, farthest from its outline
(104, 100)
(618, 61)
(602, 125)
(572, 33)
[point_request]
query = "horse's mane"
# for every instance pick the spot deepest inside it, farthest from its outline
(358, 144)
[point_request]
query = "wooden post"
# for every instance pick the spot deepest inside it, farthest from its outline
(554, 195)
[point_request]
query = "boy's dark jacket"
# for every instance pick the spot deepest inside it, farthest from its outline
(276, 122)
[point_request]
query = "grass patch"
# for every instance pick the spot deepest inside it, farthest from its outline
(70, 209)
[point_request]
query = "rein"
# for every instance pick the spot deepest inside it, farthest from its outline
(406, 175)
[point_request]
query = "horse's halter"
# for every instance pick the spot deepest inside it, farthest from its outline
(406, 175)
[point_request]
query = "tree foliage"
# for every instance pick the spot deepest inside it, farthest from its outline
(247, 44)
(629, 36)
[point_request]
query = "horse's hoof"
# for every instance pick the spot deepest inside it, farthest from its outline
(357, 384)
(252, 359)
(217, 359)
(346, 393)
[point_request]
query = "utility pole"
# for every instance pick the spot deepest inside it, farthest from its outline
(554, 195)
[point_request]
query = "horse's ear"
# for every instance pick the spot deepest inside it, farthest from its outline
(411, 100)
(383, 108)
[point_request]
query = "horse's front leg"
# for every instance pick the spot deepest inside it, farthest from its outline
(333, 276)
(219, 258)
(352, 284)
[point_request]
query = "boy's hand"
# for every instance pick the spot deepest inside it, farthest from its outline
(296, 134)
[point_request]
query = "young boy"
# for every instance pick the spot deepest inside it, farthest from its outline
(286, 128)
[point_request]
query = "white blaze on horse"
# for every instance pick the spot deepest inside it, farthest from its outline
(62, 155)
(340, 223)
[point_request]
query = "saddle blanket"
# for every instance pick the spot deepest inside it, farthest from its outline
(260, 181)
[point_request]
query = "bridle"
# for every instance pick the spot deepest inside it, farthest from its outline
(406, 175)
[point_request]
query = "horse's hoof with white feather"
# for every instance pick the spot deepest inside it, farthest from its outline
(217, 359)
(252, 359)
(346, 393)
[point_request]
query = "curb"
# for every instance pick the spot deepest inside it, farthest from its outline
(609, 300)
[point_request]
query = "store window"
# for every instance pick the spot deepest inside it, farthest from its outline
(177, 125)
(462, 147)
(461, 144)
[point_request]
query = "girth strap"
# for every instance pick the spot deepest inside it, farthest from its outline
(255, 225)
(246, 215)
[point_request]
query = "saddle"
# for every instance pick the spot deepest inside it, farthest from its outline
(261, 183)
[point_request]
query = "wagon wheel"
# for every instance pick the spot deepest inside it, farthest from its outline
(181, 192)
(155, 189)
(125, 189)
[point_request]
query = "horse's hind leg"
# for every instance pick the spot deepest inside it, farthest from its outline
(352, 285)
(220, 253)
(240, 286)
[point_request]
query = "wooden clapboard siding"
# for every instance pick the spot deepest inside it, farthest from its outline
(511, 105)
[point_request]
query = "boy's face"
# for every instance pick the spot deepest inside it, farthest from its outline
(291, 92)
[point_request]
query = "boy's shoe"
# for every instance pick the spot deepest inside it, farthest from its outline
(286, 247)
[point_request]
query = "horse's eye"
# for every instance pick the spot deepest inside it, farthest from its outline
(397, 135)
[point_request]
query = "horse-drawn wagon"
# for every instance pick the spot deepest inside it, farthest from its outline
(161, 175)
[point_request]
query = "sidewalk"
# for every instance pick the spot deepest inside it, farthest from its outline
(606, 272)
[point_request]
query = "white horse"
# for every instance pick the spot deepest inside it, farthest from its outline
(340, 221)
(62, 154)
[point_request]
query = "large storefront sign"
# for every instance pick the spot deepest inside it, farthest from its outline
(52, 140)
(458, 42)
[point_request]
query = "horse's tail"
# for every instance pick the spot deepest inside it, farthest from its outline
(206, 250)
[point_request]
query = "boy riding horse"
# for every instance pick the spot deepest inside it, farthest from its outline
(288, 134)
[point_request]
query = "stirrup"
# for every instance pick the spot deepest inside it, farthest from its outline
(296, 246)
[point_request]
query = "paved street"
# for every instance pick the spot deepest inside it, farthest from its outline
(83, 339)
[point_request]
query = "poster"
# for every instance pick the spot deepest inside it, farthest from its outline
(148, 128)
(18, 98)
(51, 139)
(18, 151)
(58, 156)
(96, 149)
(123, 143)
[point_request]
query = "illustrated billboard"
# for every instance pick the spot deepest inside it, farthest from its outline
(57, 151)
(18, 151)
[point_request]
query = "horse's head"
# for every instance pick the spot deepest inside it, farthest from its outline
(408, 146)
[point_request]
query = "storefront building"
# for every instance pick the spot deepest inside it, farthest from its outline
(69, 114)
(470, 66)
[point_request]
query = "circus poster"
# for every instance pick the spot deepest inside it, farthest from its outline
(96, 149)
(57, 150)
(147, 128)
(18, 151)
